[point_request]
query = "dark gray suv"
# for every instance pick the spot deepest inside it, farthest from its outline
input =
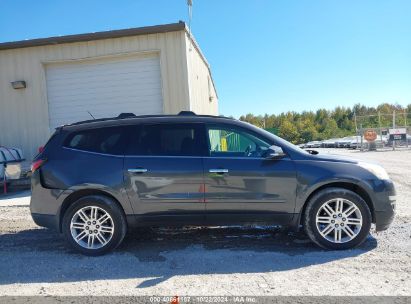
(95, 180)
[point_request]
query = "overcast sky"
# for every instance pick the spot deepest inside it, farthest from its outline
(266, 56)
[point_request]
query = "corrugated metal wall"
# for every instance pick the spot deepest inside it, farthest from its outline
(104, 87)
(24, 120)
(203, 95)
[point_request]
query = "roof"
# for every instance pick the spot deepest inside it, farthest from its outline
(164, 28)
(127, 118)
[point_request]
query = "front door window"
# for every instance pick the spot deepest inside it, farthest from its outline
(226, 142)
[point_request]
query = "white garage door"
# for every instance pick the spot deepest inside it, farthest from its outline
(104, 87)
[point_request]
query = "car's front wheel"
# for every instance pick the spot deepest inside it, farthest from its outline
(337, 218)
(94, 225)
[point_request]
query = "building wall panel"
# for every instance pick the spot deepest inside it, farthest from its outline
(203, 95)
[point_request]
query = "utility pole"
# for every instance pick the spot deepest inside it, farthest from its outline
(406, 128)
(393, 120)
(356, 129)
(393, 126)
(379, 125)
(362, 141)
(355, 121)
(190, 13)
(190, 17)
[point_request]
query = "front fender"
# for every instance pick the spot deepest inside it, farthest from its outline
(316, 175)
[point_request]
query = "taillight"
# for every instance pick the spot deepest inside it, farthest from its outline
(37, 164)
(41, 149)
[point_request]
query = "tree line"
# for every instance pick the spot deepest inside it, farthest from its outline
(324, 124)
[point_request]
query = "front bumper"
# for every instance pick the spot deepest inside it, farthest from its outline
(384, 205)
(383, 220)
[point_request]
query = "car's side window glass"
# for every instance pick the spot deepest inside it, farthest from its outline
(230, 142)
(102, 140)
(168, 140)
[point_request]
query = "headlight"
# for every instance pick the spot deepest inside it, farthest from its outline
(377, 170)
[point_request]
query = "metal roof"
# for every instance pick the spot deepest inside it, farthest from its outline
(146, 30)
(165, 28)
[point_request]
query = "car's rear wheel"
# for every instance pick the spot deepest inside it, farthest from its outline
(337, 218)
(94, 225)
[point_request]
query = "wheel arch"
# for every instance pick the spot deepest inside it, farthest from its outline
(344, 185)
(76, 195)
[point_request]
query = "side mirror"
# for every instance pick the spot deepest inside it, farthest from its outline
(274, 152)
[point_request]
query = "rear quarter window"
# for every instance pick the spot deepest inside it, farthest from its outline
(110, 140)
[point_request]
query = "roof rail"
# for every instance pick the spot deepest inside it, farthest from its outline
(132, 115)
(187, 113)
(126, 115)
(120, 116)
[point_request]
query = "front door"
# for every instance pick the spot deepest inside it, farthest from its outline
(241, 184)
(163, 172)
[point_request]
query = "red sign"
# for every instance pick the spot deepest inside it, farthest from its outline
(370, 135)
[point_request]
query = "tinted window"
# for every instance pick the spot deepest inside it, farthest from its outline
(235, 143)
(168, 140)
(102, 140)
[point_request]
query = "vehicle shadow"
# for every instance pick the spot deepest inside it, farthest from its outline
(154, 255)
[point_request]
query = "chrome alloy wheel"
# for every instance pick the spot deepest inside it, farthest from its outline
(339, 220)
(92, 227)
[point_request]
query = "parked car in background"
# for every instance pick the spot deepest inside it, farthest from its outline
(355, 142)
(313, 144)
(96, 180)
(343, 142)
(329, 143)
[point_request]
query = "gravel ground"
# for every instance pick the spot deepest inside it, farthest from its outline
(219, 261)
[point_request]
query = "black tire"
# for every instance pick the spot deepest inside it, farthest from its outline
(323, 196)
(118, 220)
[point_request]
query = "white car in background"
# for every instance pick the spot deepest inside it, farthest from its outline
(355, 142)
(343, 142)
(329, 143)
(313, 144)
(10, 163)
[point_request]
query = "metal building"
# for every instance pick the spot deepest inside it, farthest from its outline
(53, 81)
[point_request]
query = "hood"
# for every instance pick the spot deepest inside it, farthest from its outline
(334, 158)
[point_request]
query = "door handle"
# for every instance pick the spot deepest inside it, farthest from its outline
(137, 170)
(219, 171)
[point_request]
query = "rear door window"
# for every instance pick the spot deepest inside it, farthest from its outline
(168, 139)
(110, 140)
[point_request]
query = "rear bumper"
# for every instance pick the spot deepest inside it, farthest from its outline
(45, 204)
(46, 220)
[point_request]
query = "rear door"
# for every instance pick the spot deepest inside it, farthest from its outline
(163, 170)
